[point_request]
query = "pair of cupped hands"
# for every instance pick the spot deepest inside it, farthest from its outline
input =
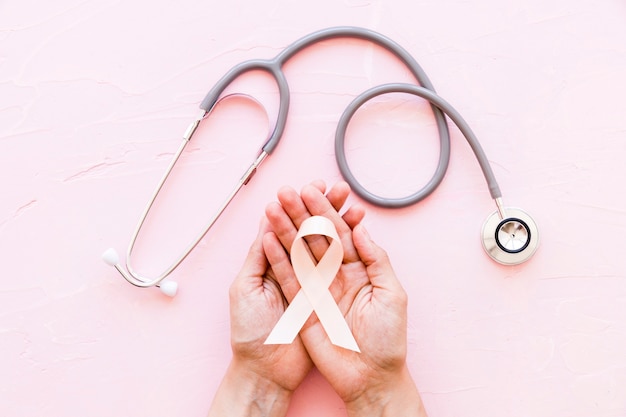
(261, 378)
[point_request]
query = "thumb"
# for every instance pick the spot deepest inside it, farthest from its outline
(376, 260)
(255, 264)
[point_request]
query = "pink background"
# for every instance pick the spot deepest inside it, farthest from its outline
(94, 96)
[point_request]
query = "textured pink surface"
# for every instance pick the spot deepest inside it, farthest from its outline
(94, 96)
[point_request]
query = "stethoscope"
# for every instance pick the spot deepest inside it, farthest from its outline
(509, 235)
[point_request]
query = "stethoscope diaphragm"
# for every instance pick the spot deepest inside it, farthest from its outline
(512, 240)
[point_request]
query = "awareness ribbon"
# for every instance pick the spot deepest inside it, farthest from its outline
(314, 295)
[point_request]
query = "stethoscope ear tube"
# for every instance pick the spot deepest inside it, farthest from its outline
(273, 68)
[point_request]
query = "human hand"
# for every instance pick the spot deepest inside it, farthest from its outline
(256, 303)
(261, 378)
(375, 381)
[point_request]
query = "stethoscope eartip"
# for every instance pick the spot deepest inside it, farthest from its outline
(169, 288)
(111, 257)
(512, 240)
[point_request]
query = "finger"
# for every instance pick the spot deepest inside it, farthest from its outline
(295, 209)
(376, 260)
(255, 265)
(318, 204)
(281, 265)
(320, 185)
(338, 194)
(354, 215)
(281, 224)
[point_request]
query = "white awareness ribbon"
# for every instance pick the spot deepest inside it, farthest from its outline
(314, 295)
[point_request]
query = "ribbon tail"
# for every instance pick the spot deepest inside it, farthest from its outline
(292, 320)
(334, 323)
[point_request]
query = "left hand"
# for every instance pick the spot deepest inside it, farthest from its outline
(256, 304)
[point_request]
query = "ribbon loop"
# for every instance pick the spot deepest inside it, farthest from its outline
(314, 295)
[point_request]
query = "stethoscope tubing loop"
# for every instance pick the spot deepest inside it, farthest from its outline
(444, 149)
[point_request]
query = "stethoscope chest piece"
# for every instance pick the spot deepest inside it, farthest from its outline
(510, 240)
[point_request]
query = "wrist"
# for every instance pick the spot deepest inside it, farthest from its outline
(243, 392)
(396, 396)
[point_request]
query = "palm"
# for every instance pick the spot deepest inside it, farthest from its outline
(372, 314)
(256, 305)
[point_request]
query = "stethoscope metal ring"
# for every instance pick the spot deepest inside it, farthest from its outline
(513, 235)
(512, 240)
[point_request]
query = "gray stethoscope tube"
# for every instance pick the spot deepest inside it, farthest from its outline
(508, 240)
(444, 156)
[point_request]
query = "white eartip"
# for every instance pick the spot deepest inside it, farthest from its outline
(110, 256)
(168, 287)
